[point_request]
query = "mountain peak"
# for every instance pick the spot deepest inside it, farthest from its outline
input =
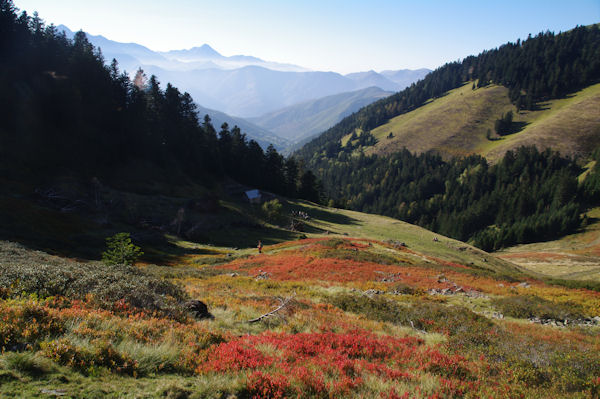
(65, 29)
(205, 50)
(195, 53)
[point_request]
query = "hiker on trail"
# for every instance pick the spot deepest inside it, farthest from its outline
(259, 246)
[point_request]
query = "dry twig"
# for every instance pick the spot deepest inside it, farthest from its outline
(283, 304)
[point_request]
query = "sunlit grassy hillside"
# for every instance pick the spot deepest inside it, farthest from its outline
(457, 124)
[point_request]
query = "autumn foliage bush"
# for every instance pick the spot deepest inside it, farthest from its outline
(327, 364)
(101, 355)
(262, 385)
(348, 333)
(25, 323)
(316, 364)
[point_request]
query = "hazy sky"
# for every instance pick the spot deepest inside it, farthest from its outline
(331, 35)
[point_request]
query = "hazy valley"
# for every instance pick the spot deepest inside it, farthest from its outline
(271, 95)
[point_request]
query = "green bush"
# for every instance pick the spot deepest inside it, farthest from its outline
(423, 315)
(173, 391)
(107, 285)
(359, 256)
(526, 306)
(545, 363)
(576, 284)
(272, 210)
(332, 243)
(401, 288)
(120, 250)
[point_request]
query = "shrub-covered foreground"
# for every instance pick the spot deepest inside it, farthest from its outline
(356, 318)
(109, 286)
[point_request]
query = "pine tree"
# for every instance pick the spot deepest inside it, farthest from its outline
(120, 250)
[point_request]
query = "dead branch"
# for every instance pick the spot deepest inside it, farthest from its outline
(283, 304)
(413, 326)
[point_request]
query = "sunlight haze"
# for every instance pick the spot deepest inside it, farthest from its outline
(341, 36)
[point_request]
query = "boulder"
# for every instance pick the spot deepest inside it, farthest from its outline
(199, 309)
(372, 292)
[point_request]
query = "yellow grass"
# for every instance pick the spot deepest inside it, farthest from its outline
(346, 138)
(456, 124)
(588, 168)
(570, 125)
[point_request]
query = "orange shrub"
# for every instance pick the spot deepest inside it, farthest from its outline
(24, 323)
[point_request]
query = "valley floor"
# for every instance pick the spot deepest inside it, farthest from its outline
(576, 256)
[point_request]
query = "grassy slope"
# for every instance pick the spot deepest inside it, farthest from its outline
(329, 222)
(358, 224)
(453, 335)
(235, 226)
(456, 124)
(570, 125)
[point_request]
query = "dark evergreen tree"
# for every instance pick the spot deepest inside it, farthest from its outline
(309, 188)
(291, 170)
(67, 113)
(503, 126)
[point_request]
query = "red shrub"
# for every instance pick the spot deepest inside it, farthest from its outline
(262, 385)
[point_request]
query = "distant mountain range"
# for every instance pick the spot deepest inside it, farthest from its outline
(388, 80)
(132, 55)
(405, 77)
(250, 87)
(207, 57)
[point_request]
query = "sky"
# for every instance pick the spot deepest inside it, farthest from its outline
(327, 35)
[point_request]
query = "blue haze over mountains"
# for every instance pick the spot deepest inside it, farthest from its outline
(285, 103)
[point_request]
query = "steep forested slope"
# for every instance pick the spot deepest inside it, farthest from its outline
(66, 113)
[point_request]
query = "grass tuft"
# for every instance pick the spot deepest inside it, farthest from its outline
(28, 363)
